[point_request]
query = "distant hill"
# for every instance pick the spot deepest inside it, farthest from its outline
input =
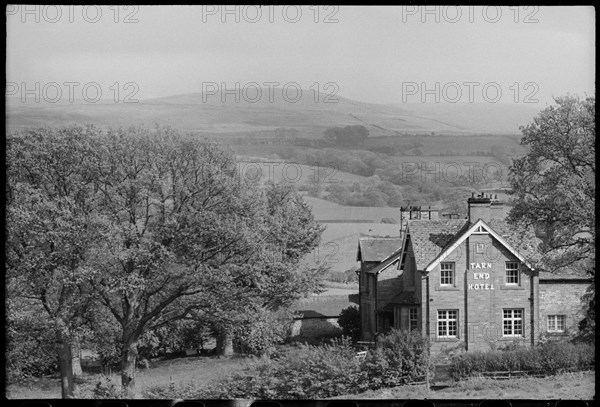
(498, 118)
(310, 115)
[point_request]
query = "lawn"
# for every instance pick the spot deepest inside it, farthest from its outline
(577, 386)
(182, 370)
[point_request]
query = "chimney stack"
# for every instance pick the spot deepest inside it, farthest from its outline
(479, 208)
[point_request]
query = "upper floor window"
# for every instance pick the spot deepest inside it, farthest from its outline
(447, 274)
(512, 272)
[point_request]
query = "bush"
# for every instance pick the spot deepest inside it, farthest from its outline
(550, 358)
(259, 336)
(400, 357)
(29, 351)
(349, 321)
(103, 388)
(314, 372)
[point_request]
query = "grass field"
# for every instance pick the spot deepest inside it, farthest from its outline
(205, 369)
(330, 211)
(574, 386)
(339, 242)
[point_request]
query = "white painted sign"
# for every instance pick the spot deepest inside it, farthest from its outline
(481, 286)
(481, 265)
(481, 276)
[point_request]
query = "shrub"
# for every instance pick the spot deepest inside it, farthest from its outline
(104, 388)
(305, 372)
(550, 358)
(259, 336)
(308, 372)
(349, 321)
(400, 357)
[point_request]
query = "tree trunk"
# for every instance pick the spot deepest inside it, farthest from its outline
(128, 362)
(225, 343)
(76, 359)
(65, 362)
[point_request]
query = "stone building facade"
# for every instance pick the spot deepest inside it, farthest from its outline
(468, 284)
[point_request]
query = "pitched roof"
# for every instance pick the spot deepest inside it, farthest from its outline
(376, 248)
(518, 236)
(392, 258)
(430, 237)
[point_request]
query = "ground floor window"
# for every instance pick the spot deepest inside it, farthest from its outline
(447, 323)
(413, 319)
(512, 322)
(556, 323)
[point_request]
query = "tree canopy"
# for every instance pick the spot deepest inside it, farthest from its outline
(554, 185)
(348, 135)
(153, 226)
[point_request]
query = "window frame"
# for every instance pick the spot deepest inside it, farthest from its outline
(516, 275)
(557, 317)
(452, 274)
(413, 320)
(512, 319)
(446, 321)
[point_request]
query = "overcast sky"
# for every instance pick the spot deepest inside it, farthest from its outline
(372, 54)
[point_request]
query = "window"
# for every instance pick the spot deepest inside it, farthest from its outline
(447, 323)
(413, 319)
(512, 322)
(556, 323)
(447, 274)
(512, 272)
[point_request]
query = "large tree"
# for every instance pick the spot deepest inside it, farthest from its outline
(154, 226)
(554, 185)
(190, 235)
(49, 227)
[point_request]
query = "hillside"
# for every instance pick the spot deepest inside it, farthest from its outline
(309, 115)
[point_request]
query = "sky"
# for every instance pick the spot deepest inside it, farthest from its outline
(386, 55)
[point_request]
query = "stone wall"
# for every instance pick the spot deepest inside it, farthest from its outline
(562, 297)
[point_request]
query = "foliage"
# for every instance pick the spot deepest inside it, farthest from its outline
(400, 357)
(551, 358)
(349, 321)
(302, 373)
(554, 186)
(348, 135)
(100, 387)
(28, 352)
(154, 226)
(348, 276)
(260, 335)
(309, 372)
(50, 225)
